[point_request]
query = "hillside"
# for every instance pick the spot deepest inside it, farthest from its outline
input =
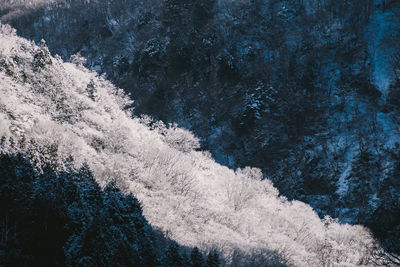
(51, 110)
(307, 91)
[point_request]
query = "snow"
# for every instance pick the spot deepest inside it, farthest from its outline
(184, 192)
(342, 182)
(381, 27)
(389, 128)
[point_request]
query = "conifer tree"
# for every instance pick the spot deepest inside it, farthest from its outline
(196, 258)
(213, 259)
(363, 178)
(173, 257)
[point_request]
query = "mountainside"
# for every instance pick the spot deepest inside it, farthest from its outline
(308, 91)
(51, 111)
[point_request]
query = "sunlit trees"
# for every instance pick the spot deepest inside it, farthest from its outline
(182, 192)
(42, 56)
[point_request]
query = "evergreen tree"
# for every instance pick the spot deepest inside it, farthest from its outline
(393, 97)
(203, 11)
(173, 257)
(213, 259)
(42, 56)
(253, 111)
(196, 258)
(65, 219)
(91, 90)
(363, 179)
(174, 13)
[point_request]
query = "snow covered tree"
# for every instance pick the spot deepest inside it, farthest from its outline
(42, 56)
(235, 209)
(91, 90)
(253, 111)
(178, 138)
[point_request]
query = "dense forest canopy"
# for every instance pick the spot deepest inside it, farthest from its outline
(306, 91)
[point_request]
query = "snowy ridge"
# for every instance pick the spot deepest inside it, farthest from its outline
(184, 192)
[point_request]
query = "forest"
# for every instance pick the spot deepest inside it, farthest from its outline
(297, 103)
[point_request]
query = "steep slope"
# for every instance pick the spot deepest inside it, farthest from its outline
(256, 80)
(65, 219)
(51, 110)
(305, 90)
